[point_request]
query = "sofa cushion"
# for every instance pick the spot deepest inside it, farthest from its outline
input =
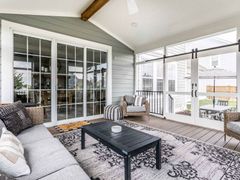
(234, 126)
(129, 99)
(46, 157)
(70, 173)
(34, 134)
(134, 109)
(15, 117)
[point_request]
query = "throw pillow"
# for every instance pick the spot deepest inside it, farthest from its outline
(2, 125)
(23, 114)
(15, 117)
(12, 161)
(129, 100)
(139, 100)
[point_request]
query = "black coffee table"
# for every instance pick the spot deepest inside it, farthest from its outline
(127, 143)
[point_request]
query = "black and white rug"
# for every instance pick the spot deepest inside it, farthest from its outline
(182, 158)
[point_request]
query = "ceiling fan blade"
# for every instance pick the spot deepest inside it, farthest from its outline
(132, 7)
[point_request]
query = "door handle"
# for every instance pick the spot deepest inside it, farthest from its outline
(192, 90)
(196, 95)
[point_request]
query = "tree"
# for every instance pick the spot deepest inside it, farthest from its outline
(18, 81)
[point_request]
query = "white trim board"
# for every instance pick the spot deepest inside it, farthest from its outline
(9, 28)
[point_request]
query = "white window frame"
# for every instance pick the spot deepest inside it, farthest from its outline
(7, 85)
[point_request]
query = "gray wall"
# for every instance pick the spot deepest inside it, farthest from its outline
(123, 57)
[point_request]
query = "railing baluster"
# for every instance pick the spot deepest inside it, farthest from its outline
(155, 99)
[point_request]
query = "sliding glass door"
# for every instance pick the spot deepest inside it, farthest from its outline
(179, 97)
(32, 72)
(79, 75)
(201, 89)
(70, 73)
(96, 76)
(70, 82)
(217, 86)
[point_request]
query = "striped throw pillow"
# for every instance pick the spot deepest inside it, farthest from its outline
(138, 101)
(12, 161)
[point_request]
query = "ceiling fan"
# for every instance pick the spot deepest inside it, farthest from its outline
(132, 7)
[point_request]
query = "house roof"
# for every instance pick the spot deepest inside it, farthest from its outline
(157, 22)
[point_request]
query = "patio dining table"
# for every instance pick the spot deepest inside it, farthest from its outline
(210, 109)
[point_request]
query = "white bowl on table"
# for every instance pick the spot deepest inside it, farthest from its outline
(116, 129)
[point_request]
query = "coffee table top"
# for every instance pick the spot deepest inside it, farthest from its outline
(126, 141)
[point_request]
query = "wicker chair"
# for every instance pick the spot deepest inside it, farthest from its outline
(124, 108)
(230, 119)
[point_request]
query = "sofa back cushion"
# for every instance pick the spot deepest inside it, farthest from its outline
(129, 99)
(15, 117)
(12, 161)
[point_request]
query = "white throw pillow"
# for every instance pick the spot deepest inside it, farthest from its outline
(12, 161)
(138, 101)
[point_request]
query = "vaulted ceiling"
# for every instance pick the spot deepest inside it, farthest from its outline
(155, 21)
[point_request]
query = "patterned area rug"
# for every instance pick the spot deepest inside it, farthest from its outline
(182, 158)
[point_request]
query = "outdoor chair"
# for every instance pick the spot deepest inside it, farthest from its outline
(232, 125)
(129, 109)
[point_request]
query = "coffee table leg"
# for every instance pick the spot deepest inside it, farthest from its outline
(158, 155)
(127, 167)
(82, 139)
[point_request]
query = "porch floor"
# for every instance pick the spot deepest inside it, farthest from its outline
(203, 134)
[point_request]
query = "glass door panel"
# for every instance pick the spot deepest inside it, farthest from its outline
(217, 85)
(179, 89)
(70, 70)
(32, 72)
(96, 81)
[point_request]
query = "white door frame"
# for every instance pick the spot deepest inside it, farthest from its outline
(179, 117)
(7, 87)
(194, 118)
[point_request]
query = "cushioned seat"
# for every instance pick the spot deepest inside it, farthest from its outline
(234, 126)
(46, 157)
(136, 109)
(34, 134)
(70, 172)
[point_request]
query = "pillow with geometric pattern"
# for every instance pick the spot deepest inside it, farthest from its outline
(15, 117)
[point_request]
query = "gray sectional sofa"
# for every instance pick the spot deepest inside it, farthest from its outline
(47, 158)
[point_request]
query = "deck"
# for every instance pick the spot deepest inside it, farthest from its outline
(203, 134)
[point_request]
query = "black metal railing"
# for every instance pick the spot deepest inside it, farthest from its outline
(155, 99)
